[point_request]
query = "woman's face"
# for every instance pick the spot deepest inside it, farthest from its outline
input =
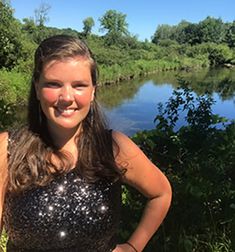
(65, 92)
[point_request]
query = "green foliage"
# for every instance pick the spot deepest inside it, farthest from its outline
(209, 30)
(115, 24)
(191, 34)
(219, 55)
(181, 31)
(103, 56)
(230, 35)
(163, 32)
(212, 30)
(88, 23)
(14, 86)
(9, 37)
(15, 45)
(133, 69)
(3, 242)
(128, 42)
(42, 14)
(7, 114)
(167, 43)
(29, 25)
(20, 40)
(198, 159)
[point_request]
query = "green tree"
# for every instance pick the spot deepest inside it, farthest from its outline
(35, 27)
(192, 34)
(219, 55)
(230, 35)
(41, 14)
(163, 32)
(88, 23)
(179, 33)
(10, 36)
(29, 26)
(129, 42)
(212, 30)
(115, 24)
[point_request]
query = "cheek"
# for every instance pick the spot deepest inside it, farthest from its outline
(83, 99)
(48, 95)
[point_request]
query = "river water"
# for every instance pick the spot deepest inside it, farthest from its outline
(132, 106)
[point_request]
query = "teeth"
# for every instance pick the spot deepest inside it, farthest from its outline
(66, 111)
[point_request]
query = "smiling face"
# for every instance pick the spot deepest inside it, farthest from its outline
(65, 92)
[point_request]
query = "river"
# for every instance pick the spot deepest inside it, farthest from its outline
(132, 106)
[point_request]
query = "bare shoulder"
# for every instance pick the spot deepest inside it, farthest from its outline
(119, 137)
(3, 141)
(3, 149)
(3, 170)
(127, 153)
(3, 135)
(3, 162)
(126, 147)
(140, 171)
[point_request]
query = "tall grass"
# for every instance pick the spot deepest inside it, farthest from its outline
(14, 86)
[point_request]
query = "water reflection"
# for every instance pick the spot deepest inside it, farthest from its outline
(138, 113)
(220, 81)
(116, 94)
(132, 106)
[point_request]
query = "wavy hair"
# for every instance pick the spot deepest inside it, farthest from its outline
(32, 150)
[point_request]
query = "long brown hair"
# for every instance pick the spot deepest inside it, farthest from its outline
(31, 148)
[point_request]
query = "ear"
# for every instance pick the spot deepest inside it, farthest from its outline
(93, 93)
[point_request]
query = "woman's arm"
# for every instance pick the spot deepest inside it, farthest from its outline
(3, 171)
(151, 182)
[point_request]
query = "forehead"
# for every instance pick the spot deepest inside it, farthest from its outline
(71, 60)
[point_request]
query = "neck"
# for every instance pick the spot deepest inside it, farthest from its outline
(63, 138)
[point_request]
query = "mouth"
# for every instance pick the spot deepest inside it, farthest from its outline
(65, 111)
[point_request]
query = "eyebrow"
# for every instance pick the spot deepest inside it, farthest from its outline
(48, 80)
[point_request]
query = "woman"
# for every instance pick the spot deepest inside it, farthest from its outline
(61, 175)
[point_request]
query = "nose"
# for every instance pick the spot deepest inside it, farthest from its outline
(66, 94)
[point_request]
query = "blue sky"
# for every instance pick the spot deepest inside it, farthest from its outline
(143, 16)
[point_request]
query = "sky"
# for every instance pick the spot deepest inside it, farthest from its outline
(142, 16)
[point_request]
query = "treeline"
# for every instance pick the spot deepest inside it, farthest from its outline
(210, 30)
(119, 54)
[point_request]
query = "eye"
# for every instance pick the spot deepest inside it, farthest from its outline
(51, 85)
(80, 85)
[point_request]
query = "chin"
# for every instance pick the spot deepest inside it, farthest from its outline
(64, 126)
(69, 127)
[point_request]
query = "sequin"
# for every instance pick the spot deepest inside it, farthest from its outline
(69, 214)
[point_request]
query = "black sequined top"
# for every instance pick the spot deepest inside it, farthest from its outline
(67, 215)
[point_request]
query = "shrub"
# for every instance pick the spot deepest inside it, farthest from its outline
(14, 86)
(199, 160)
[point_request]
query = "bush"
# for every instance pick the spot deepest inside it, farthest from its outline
(220, 55)
(199, 160)
(7, 115)
(14, 86)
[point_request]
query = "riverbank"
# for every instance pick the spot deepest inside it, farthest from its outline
(14, 84)
(138, 68)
